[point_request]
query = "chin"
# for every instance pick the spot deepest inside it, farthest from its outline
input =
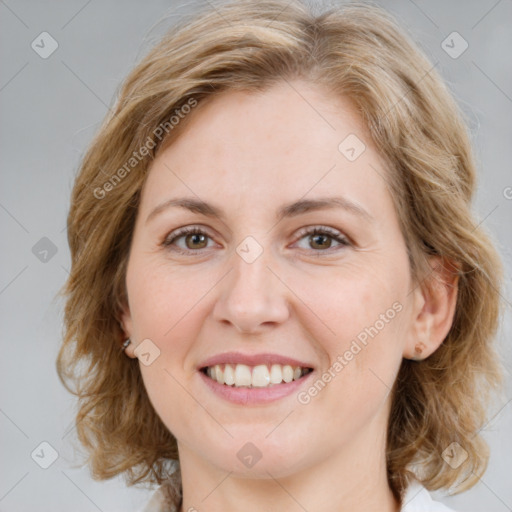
(260, 458)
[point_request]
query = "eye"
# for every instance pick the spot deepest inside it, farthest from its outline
(194, 238)
(321, 238)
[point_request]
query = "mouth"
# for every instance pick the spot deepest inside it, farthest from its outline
(255, 376)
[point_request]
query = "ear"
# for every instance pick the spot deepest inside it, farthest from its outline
(435, 298)
(127, 327)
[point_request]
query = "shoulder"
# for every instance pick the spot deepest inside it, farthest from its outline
(418, 499)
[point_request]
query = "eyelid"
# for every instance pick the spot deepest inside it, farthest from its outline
(311, 230)
(183, 231)
(342, 239)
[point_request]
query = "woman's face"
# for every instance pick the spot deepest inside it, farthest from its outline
(257, 290)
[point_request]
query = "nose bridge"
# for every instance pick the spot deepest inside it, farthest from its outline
(252, 295)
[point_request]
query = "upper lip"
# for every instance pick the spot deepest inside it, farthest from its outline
(252, 360)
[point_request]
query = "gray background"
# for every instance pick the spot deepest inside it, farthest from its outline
(50, 109)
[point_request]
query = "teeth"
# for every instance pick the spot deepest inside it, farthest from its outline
(242, 375)
(259, 376)
(276, 374)
(287, 373)
(219, 374)
(229, 375)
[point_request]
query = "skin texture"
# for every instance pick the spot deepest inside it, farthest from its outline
(249, 154)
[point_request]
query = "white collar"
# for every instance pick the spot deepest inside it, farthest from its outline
(418, 499)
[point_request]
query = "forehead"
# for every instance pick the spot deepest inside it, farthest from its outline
(292, 140)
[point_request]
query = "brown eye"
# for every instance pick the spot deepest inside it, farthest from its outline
(320, 239)
(195, 240)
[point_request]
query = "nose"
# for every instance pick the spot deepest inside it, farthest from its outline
(252, 297)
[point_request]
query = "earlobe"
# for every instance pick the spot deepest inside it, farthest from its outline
(128, 347)
(419, 351)
(436, 298)
(127, 344)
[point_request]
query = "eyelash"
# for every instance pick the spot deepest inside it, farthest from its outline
(193, 230)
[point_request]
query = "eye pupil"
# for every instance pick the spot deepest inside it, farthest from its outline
(194, 237)
(315, 237)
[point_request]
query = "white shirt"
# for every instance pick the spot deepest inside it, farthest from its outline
(418, 499)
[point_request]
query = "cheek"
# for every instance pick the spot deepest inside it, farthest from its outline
(162, 298)
(360, 329)
(337, 306)
(345, 302)
(165, 308)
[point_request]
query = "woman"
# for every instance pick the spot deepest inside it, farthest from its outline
(274, 225)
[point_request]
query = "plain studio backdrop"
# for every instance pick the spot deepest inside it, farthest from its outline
(53, 96)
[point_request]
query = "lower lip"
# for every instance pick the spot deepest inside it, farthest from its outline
(246, 396)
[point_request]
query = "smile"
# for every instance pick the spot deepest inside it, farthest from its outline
(257, 376)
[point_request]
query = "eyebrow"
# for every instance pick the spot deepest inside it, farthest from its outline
(289, 210)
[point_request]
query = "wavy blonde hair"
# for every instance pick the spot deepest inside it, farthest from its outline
(359, 52)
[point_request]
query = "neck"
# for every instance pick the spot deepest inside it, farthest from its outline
(351, 480)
